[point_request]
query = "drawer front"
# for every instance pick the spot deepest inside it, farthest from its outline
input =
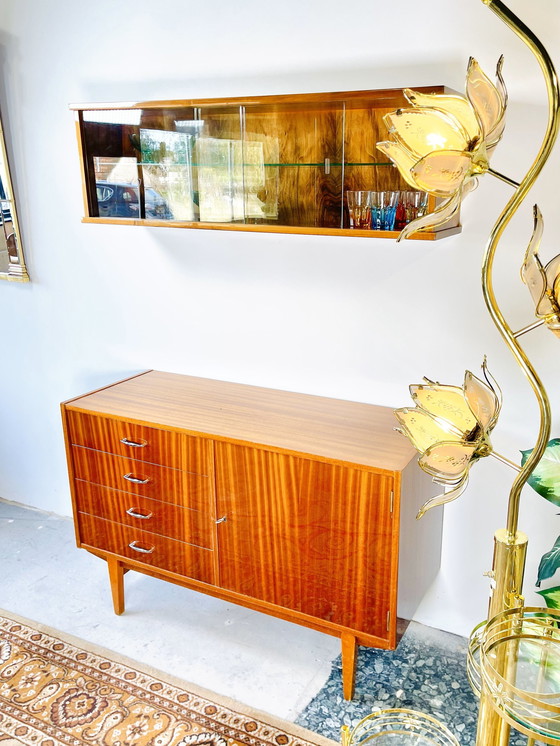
(191, 526)
(123, 438)
(144, 546)
(142, 478)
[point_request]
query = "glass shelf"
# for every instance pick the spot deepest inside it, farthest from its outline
(398, 727)
(515, 659)
(319, 164)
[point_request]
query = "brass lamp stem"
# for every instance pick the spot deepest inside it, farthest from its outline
(505, 460)
(527, 36)
(529, 328)
(501, 177)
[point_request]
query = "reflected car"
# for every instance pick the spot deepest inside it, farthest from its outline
(5, 214)
(117, 200)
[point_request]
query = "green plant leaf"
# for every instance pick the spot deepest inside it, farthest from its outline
(545, 478)
(550, 562)
(551, 597)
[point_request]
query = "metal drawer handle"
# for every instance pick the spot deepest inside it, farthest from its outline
(135, 480)
(134, 443)
(223, 519)
(133, 545)
(134, 514)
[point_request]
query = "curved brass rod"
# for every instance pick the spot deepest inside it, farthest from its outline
(527, 36)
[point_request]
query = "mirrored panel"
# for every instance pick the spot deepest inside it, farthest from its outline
(12, 264)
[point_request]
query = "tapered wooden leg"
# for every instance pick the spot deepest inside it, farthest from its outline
(349, 656)
(116, 573)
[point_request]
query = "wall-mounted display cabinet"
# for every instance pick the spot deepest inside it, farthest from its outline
(272, 163)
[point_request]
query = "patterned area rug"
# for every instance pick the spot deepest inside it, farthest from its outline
(56, 690)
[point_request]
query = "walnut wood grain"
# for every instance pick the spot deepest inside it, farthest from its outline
(162, 447)
(306, 535)
(330, 429)
(163, 518)
(159, 482)
(161, 552)
(305, 194)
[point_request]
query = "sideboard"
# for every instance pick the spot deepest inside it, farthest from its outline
(294, 505)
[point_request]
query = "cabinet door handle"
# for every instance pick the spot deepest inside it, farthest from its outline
(134, 443)
(134, 514)
(134, 545)
(135, 480)
(223, 519)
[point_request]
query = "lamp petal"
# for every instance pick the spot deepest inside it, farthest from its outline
(447, 403)
(446, 497)
(532, 271)
(500, 82)
(495, 135)
(402, 159)
(458, 106)
(442, 172)
(424, 130)
(487, 100)
(423, 430)
(556, 289)
(442, 214)
(483, 401)
(552, 271)
(447, 461)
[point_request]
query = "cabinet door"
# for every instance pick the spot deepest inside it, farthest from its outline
(314, 537)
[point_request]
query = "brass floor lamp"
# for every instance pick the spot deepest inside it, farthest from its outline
(442, 144)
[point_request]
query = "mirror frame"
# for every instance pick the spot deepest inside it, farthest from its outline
(17, 271)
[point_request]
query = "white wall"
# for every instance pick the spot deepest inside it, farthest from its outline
(350, 318)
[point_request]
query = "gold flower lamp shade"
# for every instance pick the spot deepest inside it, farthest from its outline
(442, 142)
(543, 282)
(450, 428)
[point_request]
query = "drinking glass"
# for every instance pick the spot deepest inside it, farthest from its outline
(384, 210)
(359, 209)
(415, 205)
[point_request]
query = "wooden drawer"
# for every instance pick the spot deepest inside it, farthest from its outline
(123, 438)
(158, 482)
(192, 526)
(151, 549)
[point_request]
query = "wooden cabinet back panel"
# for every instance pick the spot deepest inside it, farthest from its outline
(158, 482)
(192, 526)
(143, 443)
(310, 536)
(151, 549)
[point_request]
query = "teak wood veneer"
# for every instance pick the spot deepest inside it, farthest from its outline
(294, 505)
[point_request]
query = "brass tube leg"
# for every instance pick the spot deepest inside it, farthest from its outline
(507, 570)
